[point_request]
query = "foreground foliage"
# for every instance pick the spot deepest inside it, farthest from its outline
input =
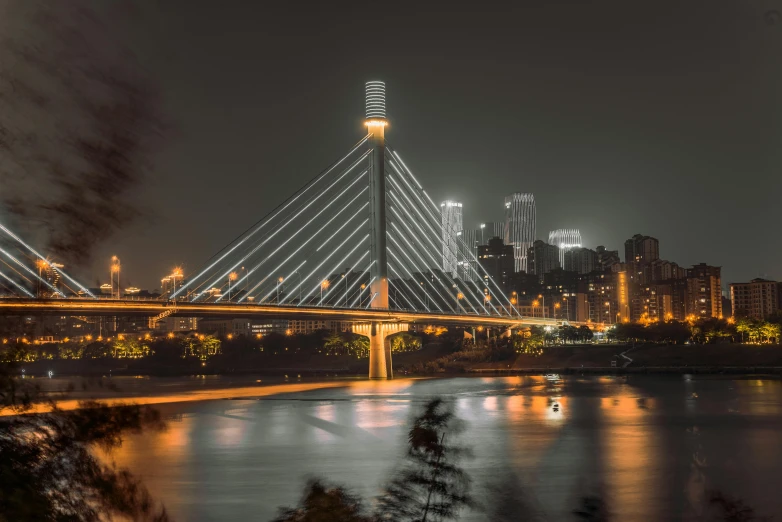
(48, 471)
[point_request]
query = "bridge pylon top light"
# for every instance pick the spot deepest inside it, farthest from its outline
(376, 104)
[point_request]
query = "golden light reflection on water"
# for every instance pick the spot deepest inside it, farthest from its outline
(631, 448)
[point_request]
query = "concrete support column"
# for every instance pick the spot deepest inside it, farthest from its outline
(380, 366)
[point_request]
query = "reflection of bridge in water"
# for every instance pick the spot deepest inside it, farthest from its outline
(361, 242)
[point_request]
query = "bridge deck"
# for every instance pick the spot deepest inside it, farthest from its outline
(109, 307)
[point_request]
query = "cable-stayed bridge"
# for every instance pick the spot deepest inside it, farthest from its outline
(362, 242)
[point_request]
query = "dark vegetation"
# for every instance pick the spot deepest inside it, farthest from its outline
(48, 469)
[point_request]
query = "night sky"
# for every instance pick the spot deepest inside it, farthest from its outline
(659, 117)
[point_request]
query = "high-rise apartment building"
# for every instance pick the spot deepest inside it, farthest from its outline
(451, 212)
(520, 227)
(607, 258)
(757, 299)
(496, 258)
(580, 260)
(542, 258)
(565, 239)
(641, 249)
(704, 291)
(468, 254)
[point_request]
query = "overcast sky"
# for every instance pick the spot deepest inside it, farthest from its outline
(654, 117)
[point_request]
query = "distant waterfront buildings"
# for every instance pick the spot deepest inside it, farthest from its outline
(565, 239)
(641, 249)
(757, 299)
(451, 212)
(519, 230)
(542, 258)
(496, 258)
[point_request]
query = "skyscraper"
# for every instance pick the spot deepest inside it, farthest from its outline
(543, 258)
(520, 226)
(451, 212)
(490, 230)
(641, 249)
(565, 239)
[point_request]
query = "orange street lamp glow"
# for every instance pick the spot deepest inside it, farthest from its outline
(232, 276)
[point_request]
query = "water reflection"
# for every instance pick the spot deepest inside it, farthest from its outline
(637, 442)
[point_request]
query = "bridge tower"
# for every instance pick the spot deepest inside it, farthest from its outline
(376, 122)
(376, 125)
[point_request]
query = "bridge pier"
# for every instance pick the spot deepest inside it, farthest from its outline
(380, 366)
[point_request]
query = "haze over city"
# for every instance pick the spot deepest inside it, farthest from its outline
(673, 133)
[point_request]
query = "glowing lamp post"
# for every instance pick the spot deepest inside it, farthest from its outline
(41, 264)
(323, 285)
(279, 281)
(231, 278)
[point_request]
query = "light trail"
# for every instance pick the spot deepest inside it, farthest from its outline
(402, 279)
(334, 252)
(434, 259)
(404, 295)
(32, 273)
(86, 307)
(351, 218)
(315, 288)
(17, 285)
(39, 256)
(290, 220)
(355, 282)
(432, 203)
(335, 285)
(265, 220)
(423, 234)
(423, 273)
(303, 227)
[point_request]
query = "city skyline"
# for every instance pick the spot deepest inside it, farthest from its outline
(239, 130)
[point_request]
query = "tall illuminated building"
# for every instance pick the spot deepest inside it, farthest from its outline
(565, 239)
(451, 212)
(519, 230)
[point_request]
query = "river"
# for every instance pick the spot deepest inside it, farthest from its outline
(651, 445)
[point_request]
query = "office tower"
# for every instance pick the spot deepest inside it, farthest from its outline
(520, 226)
(468, 254)
(451, 212)
(542, 258)
(486, 231)
(496, 258)
(757, 299)
(580, 260)
(641, 249)
(704, 291)
(565, 239)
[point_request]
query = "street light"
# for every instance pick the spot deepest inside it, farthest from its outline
(279, 280)
(541, 296)
(608, 304)
(177, 272)
(535, 304)
(323, 284)
(513, 301)
(567, 307)
(361, 296)
(231, 278)
(41, 264)
(115, 268)
(346, 289)
(556, 307)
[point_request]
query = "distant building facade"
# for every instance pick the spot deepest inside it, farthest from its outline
(704, 291)
(497, 261)
(542, 258)
(451, 213)
(758, 299)
(519, 230)
(580, 260)
(565, 239)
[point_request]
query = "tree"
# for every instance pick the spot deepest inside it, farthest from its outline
(48, 470)
(80, 118)
(322, 503)
(585, 333)
(430, 486)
